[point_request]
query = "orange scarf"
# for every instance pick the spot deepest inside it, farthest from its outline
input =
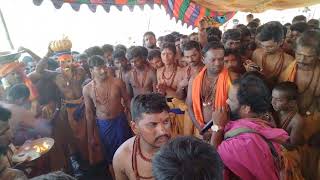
(221, 96)
(289, 74)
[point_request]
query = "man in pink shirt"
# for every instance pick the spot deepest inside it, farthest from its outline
(251, 146)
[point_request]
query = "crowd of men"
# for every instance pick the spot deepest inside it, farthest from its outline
(243, 104)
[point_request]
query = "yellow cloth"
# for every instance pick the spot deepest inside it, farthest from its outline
(289, 74)
(178, 120)
(254, 6)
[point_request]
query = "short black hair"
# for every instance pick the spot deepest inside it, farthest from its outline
(250, 15)
(95, 50)
(252, 24)
(300, 27)
(257, 20)
(148, 103)
(5, 114)
(233, 34)
(169, 46)
(272, 30)
(134, 52)
(120, 47)
(299, 18)
(118, 54)
(154, 53)
(214, 34)
(96, 61)
(191, 45)
(290, 88)
(314, 23)
(254, 93)
(187, 158)
(193, 34)
(212, 45)
(169, 38)
(310, 38)
(82, 56)
(149, 33)
(144, 51)
(244, 31)
(18, 91)
(287, 24)
(107, 48)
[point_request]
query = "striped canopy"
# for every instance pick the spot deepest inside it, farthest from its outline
(188, 12)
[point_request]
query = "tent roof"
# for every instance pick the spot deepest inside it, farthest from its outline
(190, 11)
(254, 6)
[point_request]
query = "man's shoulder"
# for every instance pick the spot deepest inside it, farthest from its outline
(125, 150)
(88, 86)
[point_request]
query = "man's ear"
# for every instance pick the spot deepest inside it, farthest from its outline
(134, 127)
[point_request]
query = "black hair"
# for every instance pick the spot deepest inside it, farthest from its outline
(160, 38)
(300, 27)
(257, 20)
(120, 47)
(54, 176)
(212, 45)
(299, 18)
(254, 93)
(233, 34)
(190, 45)
(154, 53)
(5, 114)
(290, 88)
(144, 51)
(287, 24)
(187, 158)
(252, 24)
(232, 52)
(135, 52)
(214, 34)
(259, 29)
(149, 33)
(193, 34)
(314, 23)
(118, 54)
(95, 50)
(18, 91)
(107, 48)
(169, 46)
(82, 56)
(250, 15)
(148, 103)
(310, 38)
(244, 31)
(272, 30)
(96, 61)
(169, 38)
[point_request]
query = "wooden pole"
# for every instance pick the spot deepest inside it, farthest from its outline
(6, 29)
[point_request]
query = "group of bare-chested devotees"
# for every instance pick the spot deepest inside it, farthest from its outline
(243, 104)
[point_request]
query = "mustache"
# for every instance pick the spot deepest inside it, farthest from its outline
(165, 135)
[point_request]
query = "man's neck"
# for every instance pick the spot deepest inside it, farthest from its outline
(147, 149)
(170, 67)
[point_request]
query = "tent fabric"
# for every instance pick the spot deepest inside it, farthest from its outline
(185, 10)
(254, 6)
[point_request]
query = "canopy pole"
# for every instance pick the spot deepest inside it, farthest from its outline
(6, 29)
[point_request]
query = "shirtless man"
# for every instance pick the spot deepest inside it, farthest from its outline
(271, 58)
(121, 63)
(102, 97)
(69, 78)
(151, 124)
(284, 102)
(149, 40)
(208, 90)
(171, 74)
(305, 72)
(231, 39)
(142, 78)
